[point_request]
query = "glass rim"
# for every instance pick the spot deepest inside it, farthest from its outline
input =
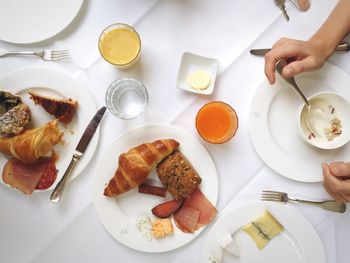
(124, 25)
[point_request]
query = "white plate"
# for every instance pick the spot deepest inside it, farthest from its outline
(55, 83)
(191, 63)
(273, 127)
(118, 215)
(298, 243)
(24, 22)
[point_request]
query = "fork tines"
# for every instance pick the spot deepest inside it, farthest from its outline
(59, 54)
(271, 196)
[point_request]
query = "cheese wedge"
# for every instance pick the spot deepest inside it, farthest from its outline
(263, 229)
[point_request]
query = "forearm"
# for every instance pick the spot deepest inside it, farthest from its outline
(335, 28)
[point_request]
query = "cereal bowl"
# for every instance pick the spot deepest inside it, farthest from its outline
(327, 125)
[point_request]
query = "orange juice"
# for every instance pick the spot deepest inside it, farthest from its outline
(120, 45)
(216, 122)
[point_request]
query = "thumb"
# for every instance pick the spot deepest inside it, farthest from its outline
(340, 169)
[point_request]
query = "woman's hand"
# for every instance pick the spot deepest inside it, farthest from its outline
(302, 55)
(337, 180)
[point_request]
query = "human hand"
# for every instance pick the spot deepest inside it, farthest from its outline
(336, 180)
(302, 55)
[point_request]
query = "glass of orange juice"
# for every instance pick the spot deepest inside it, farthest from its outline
(217, 122)
(120, 45)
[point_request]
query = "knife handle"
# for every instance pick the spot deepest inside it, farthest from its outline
(58, 191)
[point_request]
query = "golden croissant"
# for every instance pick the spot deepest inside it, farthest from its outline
(32, 144)
(135, 165)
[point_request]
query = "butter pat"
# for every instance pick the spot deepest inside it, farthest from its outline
(229, 244)
(199, 80)
(263, 229)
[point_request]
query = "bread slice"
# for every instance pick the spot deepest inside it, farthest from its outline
(63, 109)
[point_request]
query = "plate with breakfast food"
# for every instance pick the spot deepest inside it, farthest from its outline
(274, 124)
(33, 21)
(43, 113)
(262, 232)
(156, 188)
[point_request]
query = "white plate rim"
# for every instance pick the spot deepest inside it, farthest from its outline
(311, 248)
(86, 110)
(290, 167)
(101, 180)
(46, 32)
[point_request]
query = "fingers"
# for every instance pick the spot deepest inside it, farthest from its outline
(298, 66)
(338, 189)
(340, 169)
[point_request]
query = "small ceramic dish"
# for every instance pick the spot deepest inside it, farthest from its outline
(191, 64)
(330, 125)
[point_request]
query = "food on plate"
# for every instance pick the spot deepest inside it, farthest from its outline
(162, 228)
(28, 177)
(228, 243)
(120, 44)
(8, 101)
(144, 225)
(13, 121)
(199, 80)
(63, 109)
(334, 130)
(186, 219)
(152, 190)
(135, 165)
(167, 208)
(178, 175)
(263, 228)
(32, 144)
(216, 122)
(187, 216)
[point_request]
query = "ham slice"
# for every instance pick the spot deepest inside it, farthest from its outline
(25, 177)
(186, 218)
(199, 202)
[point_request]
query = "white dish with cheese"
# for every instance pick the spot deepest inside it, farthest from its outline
(298, 242)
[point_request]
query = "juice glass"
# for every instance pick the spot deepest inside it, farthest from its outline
(216, 122)
(120, 45)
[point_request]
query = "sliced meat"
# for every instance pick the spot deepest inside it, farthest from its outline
(25, 177)
(152, 190)
(186, 219)
(199, 202)
(49, 174)
(166, 209)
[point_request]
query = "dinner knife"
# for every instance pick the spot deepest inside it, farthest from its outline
(78, 153)
(263, 51)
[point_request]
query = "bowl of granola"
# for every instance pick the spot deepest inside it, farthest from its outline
(326, 124)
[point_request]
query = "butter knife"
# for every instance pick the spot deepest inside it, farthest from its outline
(78, 153)
(263, 51)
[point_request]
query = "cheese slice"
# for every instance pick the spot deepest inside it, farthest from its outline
(263, 229)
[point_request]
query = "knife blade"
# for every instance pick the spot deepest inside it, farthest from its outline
(78, 153)
(263, 51)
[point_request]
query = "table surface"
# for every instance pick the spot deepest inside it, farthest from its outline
(32, 229)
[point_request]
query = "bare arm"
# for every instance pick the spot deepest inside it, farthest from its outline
(312, 54)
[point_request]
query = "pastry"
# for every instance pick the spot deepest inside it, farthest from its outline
(135, 165)
(177, 175)
(8, 101)
(63, 109)
(13, 121)
(32, 144)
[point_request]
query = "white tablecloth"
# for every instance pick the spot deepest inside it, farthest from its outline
(34, 230)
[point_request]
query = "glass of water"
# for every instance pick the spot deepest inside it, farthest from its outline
(126, 98)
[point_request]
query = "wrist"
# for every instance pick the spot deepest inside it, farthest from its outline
(324, 45)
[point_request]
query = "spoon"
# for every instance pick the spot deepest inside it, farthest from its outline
(311, 111)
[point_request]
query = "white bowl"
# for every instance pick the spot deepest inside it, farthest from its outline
(191, 63)
(328, 100)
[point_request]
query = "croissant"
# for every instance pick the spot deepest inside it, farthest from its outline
(135, 165)
(32, 144)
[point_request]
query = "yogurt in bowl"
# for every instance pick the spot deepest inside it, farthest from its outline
(328, 125)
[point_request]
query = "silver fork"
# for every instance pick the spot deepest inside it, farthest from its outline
(48, 55)
(330, 205)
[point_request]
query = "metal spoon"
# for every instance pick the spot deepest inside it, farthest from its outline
(311, 111)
